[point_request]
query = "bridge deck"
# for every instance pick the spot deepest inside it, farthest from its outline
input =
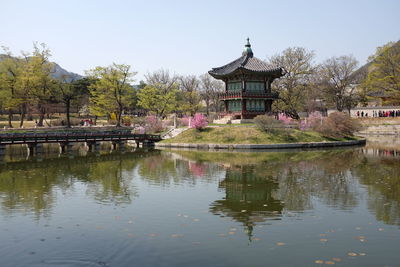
(66, 137)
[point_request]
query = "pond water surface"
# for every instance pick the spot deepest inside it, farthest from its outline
(192, 208)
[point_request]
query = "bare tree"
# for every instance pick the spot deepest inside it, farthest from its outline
(298, 65)
(162, 80)
(338, 81)
(189, 86)
(209, 90)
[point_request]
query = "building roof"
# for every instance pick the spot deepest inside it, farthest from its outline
(247, 63)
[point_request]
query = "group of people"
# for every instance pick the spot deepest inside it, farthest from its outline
(380, 113)
(86, 122)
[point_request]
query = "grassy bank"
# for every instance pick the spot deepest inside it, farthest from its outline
(247, 135)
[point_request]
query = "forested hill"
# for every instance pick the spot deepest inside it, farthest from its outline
(362, 73)
(58, 72)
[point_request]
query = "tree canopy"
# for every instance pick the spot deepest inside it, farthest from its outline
(111, 92)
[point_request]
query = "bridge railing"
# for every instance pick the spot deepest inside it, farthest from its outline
(21, 138)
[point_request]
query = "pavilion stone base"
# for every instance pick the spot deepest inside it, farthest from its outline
(228, 120)
(242, 121)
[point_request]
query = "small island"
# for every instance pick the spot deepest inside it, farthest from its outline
(247, 137)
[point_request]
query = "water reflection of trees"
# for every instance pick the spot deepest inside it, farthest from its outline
(295, 178)
(31, 186)
(258, 186)
(382, 176)
(171, 168)
(285, 182)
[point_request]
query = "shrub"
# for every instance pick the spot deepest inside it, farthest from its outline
(199, 121)
(168, 122)
(285, 119)
(184, 121)
(140, 130)
(268, 124)
(126, 120)
(138, 121)
(314, 120)
(338, 125)
(153, 124)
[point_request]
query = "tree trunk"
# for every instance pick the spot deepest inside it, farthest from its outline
(119, 117)
(42, 113)
(10, 116)
(67, 109)
(23, 112)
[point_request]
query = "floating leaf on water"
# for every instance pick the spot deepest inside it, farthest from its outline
(176, 235)
(265, 205)
(352, 254)
(231, 233)
(329, 262)
(243, 210)
(280, 244)
(337, 259)
(319, 261)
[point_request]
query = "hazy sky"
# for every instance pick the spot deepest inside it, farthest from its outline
(191, 37)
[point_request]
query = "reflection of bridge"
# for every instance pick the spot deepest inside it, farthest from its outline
(66, 139)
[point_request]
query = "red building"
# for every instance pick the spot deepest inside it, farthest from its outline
(247, 85)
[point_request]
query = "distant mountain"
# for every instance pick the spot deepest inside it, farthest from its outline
(57, 72)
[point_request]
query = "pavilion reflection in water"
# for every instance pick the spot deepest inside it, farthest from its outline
(249, 198)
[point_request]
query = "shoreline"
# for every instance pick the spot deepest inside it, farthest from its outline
(262, 146)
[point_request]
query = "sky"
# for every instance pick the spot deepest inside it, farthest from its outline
(191, 37)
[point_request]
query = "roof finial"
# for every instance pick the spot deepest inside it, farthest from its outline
(247, 49)
(248, 42)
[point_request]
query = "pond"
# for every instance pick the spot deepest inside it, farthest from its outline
(196, 208)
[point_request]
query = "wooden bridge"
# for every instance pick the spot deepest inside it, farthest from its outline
(66, 139)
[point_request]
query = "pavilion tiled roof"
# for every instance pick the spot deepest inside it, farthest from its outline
(247, 62)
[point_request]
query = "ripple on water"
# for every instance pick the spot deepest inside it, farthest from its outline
(73, 262)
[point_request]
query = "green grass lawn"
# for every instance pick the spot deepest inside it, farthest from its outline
(247, 135)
